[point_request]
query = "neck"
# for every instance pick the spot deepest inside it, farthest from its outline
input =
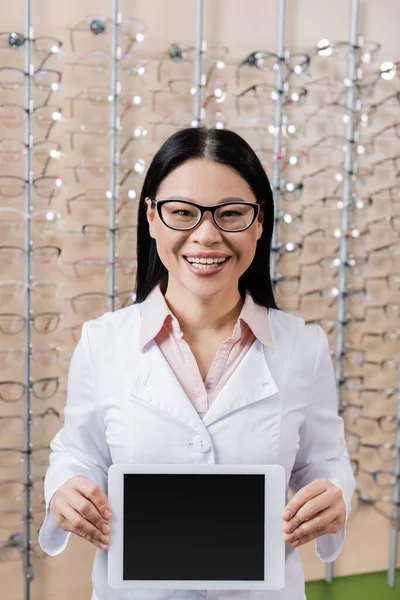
(203, 316)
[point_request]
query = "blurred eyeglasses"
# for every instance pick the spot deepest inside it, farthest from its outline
(329, 175)
(215, 89)
(386, 423)
(383, 505)
(214, 57)
(369, 112)
(12, 186)
(41, 356)
(294, 250)
(13, 288)
(382, 195)
(128, 99)
(12, 116)
(263, 93)
(386, 452)
(87, 268)
(43, 389)
(330, 325)
(75, 331)
(46, 80)
(98, 167)
(131, 29)
(12, 151)
(369, 145)
(12, 549)
(375, 168)
(326, 299)
(367, 82)
(389, 310)
(45, 47)
(390, 335)
(381, 478)
(328, 119)
(264, 61)
(12, 492)
(43, 221)
(45, 322)
(326, 48)
(100, 61)
(100, 198)
(101, 233)
(139, 135)
(40, 255)
(357, 357)
(12, 457)
(91, 303)
(262, 125)
(13, 520)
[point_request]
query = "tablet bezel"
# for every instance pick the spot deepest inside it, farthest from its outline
(274, 550)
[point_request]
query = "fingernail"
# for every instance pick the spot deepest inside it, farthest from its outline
(286, 514)
(107, 514)
(105, 528)
(103, 546)
(104, 539)
(287, 527)
(295, 542)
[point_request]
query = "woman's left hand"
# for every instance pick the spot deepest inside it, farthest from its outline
(315, 510)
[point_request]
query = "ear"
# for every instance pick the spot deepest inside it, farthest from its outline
(150, 214)
(260, 221)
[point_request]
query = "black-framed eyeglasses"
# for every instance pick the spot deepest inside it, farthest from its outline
(183, 215)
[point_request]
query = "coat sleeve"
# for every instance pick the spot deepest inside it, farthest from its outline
(322, 450)
(80, 447)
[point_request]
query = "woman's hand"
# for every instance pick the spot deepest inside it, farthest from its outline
(318, 508)
(80, 506)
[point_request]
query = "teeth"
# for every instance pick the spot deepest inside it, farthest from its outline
(206, 261)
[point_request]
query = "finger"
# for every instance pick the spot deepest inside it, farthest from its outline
(314, 528)
(309, 510)
(88, 511)
(306, 493)
(94, 493)
(72, 521)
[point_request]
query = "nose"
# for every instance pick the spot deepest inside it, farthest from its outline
(206, 232)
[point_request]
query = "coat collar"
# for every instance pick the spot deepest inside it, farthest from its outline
(155, 312)
(149, 378)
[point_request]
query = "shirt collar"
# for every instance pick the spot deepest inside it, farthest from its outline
(155, 311)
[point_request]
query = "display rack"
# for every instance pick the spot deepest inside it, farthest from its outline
(394, 530)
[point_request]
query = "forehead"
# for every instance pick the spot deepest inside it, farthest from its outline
(205, 181)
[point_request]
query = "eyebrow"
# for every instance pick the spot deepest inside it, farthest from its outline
(228, 199)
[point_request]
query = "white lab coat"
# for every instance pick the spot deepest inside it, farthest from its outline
(125, 406)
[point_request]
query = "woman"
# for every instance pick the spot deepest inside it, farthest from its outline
(204, 368)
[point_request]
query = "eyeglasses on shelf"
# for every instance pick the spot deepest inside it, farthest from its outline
(44, 322)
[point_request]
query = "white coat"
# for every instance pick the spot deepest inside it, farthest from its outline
(278, 407)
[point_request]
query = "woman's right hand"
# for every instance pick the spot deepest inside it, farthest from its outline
(80, 506)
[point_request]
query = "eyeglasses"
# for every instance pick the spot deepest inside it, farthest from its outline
(41, 356)
(100, 61)
(264, 93)
(43, 221)
(383, 505)
(13, 288)
(43, 389)
(12, 186)
(132, 29)
(215, 89)
(101, 233)
(12, 550)
(130, 98)
(87, 268)
(390, 310)
(44, 79)
(12, 491)
(12, 519)
(294, 250)
(370, 171)
(387, 452)
(386, 423)
(227, 216)
(91, 303)
(45, 46)
(12, 116)
(368, 145)
(381, 478)
(12, 457)
(99, 198)
(357, 357)
(45, 322)
(13, 151)
(40, 255)
(214, 56)
(98, 167)
(296, 64)
(326, 48)
(371, 110)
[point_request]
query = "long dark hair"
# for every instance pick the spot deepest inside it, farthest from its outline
(225, 147)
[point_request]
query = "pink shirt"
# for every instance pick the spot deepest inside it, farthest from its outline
(160, 325)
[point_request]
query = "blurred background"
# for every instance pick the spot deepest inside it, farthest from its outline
(314, 87)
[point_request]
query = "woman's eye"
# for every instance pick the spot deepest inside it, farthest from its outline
(230, 213)
(181, 213)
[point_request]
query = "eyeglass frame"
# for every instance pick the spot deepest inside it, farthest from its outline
(212, 209)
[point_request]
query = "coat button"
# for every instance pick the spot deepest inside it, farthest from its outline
(200, 444)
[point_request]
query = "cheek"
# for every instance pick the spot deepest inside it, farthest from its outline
(168, 244)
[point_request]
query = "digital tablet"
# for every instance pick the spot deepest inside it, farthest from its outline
(196, 527)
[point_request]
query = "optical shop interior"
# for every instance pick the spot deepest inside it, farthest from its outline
(90, 90)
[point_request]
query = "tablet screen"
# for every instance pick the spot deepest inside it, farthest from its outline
(193, 527)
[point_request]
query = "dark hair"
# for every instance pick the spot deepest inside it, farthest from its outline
(227, 148)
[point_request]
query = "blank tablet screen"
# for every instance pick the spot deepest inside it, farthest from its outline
(194, 527)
